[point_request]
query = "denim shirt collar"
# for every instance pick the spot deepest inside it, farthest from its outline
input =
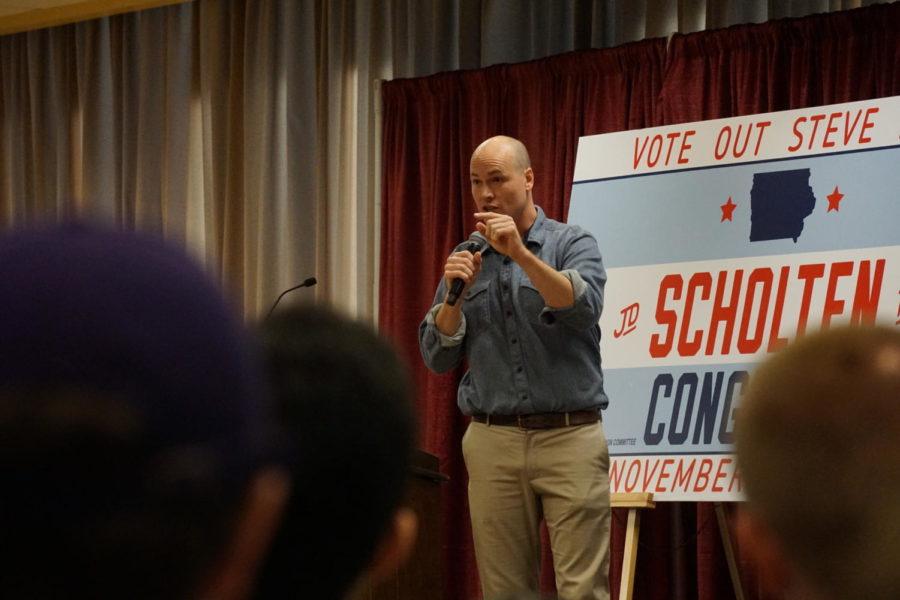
(536, 233)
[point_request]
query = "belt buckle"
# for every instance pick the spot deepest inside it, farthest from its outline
(519, 422)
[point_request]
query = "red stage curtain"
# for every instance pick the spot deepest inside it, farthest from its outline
(431, 126)
(783, 65)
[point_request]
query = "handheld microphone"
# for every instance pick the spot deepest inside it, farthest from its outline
(308, 282)
(475, 243)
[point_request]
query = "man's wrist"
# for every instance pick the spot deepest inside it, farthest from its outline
(448, 308)
(448, 319)
(519, 253)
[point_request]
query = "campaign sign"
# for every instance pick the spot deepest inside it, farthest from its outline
(723, 240)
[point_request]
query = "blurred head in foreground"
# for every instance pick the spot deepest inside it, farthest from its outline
(131, 424)
(818, 445)
(345, 400)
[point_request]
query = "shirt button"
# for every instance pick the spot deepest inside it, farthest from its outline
(524, 396)
(505, 287)
(519, 370)
(514, 341)
(506, 260)
(509, 313)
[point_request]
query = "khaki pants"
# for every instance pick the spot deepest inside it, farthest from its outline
(517, 477)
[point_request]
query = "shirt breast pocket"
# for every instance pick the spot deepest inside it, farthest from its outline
(478, 306)
(531, 302)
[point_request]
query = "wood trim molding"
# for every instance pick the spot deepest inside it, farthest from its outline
(71, 12)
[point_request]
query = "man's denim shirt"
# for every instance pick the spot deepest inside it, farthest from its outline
(523, 356)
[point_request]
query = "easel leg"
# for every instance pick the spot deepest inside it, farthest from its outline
(629, 560)
(729, 551)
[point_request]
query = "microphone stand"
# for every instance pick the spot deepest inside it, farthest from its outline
(309, 282)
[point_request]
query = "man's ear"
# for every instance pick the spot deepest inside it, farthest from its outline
(395, 547)
(759, 542)
(233, 576)
(529, 179)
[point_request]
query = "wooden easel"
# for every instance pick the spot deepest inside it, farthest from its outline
(634, 502)
(729, 551)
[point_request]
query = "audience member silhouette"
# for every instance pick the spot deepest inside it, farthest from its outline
(818, 445)
(344, 398)
(131, 424)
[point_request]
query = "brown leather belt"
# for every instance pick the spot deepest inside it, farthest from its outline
(541, 420)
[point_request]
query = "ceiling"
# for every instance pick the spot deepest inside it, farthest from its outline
(23, 15)
(12, 7)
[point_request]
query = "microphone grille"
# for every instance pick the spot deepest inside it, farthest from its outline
(479, 240)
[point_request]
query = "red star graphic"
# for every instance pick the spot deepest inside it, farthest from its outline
(834, 200)
(727, 209)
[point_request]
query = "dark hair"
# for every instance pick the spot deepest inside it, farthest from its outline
(345, 399)
(131, 416)
(92, 507)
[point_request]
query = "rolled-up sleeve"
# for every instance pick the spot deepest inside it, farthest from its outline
(440, 352)
(583, 266)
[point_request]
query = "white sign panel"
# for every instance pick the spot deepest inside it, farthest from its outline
(723, 240)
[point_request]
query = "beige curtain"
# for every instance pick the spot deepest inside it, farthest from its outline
(248, 130)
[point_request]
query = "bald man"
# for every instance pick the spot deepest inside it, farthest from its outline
(527, 321)
(818, 445)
